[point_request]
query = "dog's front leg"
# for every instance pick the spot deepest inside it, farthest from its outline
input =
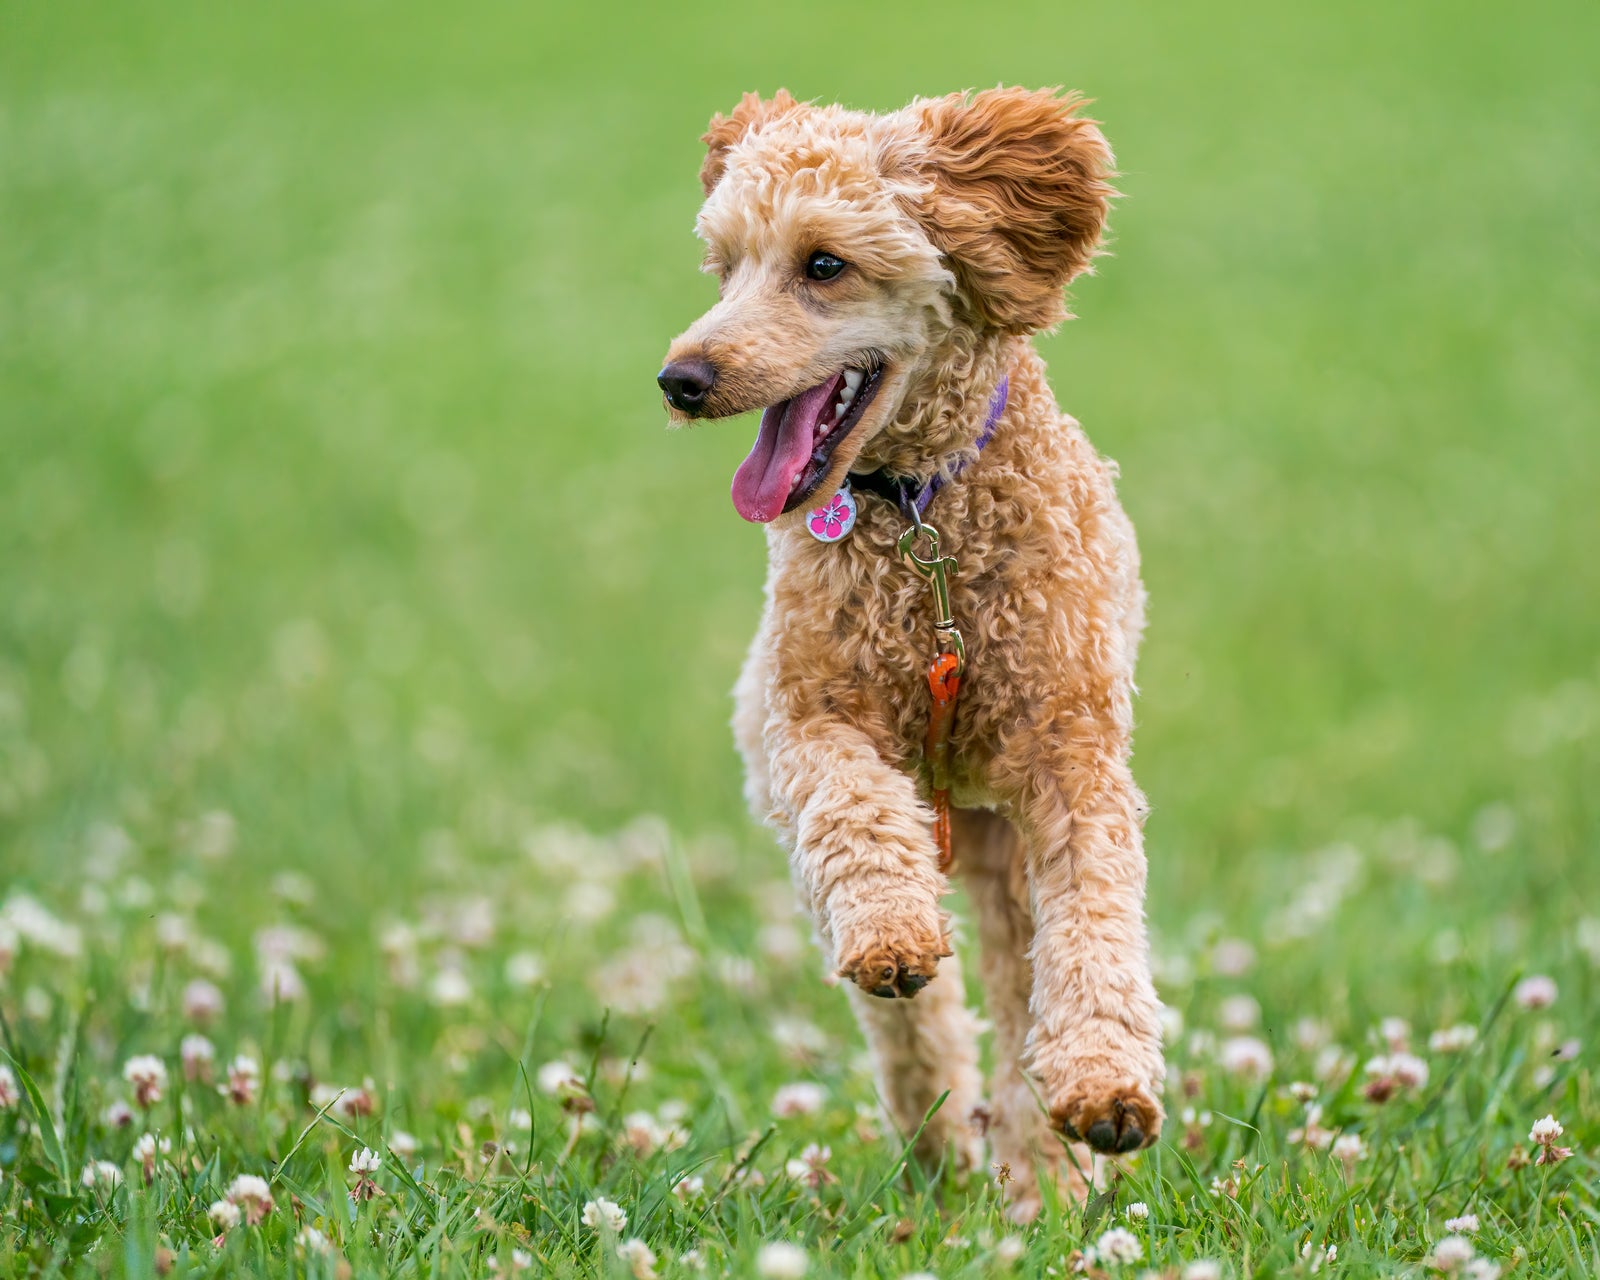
(1095, 1045)
(863, 854)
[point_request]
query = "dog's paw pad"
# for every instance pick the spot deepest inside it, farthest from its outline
(894, 973)
(1113, 1118)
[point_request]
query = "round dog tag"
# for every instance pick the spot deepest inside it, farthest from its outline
(835, 518)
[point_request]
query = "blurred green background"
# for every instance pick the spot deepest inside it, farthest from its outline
(335, 490)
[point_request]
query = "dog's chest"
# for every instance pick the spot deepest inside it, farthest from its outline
(852, 633)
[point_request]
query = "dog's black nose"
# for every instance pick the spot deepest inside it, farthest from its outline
(687, 383)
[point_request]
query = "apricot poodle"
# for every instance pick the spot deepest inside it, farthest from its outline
(881, 276)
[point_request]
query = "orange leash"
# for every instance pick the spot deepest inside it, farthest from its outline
(944, 683)
(944, 676)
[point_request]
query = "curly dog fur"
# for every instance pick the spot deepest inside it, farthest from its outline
(960, 221)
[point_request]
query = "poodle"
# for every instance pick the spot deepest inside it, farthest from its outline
(880, 277)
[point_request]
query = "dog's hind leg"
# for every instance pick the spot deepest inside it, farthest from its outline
(990, 858)
(920, 1049)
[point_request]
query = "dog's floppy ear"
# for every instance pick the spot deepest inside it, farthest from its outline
(725, 130)
(1017, 200)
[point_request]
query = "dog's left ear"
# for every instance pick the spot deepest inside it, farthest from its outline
(1017, 199)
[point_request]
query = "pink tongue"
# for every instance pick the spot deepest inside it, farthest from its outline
(782, 448)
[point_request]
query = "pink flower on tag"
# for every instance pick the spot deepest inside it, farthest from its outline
(834, 518)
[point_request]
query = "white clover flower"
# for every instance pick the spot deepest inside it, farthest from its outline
(1452, 1039)
(1311, 1034)
(1410, 1070)
(202, 1001)
(603, 1214)
(1586, 934)
(117, 1115)
(10, 1092)
(1232, 957)
(672, 1111)
(244, 1075)
(1010, 1249)
(801, 1098)
(148, 1076)
(450, 988)
(1117, 1247)
(1245, 1056)
(1451, 1253)
(690, 1188)
(101, 1173)
(172, 932)
(781, 1260)
(253, 1195)
(31, 921)
(1347, 1149)
(558, 1077)
(197, 1054)
(1239, 1013)
(1544, 1133)
(799, 1037)
(312, 1240)
(1203, 1269)
(148, 1146)
(1396, 1033)
(524, 969)
(811, 1168)
(281, 982)
(643, 1133)
(1333, 1064)
(224, 1215)
(1138, 1211)
(1465, 1225)
(403, 1144)
(1481, 1269)
(1535, 992)
(1312, 1132)
(640, 1261)
(1545, 1130)
(365, 1161)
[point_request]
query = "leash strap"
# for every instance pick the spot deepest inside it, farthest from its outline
(949, 662)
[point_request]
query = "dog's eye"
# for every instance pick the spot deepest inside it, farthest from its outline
(823, 266)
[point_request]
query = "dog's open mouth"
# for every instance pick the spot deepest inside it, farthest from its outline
(796, 443)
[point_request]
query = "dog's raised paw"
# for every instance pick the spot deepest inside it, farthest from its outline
(1113, 1117)
(894, 972)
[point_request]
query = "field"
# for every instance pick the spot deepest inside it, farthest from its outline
(366, 641)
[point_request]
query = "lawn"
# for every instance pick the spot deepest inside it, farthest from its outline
(364, 774)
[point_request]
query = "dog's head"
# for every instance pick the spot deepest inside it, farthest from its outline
(850, 247)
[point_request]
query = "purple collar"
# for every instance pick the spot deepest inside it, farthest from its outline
(903, 491)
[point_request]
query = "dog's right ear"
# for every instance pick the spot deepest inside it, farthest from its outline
(725, 130)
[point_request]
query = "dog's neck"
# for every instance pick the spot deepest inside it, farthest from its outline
(937, 427)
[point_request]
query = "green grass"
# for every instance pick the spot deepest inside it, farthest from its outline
(334, 499)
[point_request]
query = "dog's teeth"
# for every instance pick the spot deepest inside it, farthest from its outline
(846, 394)
(838, 410)
(852, 380)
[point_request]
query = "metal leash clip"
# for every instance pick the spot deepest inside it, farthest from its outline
(937, 571)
